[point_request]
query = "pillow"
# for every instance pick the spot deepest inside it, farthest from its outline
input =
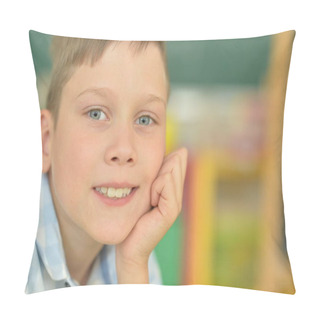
(225, 106)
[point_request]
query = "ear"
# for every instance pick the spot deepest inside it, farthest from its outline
(47, 136)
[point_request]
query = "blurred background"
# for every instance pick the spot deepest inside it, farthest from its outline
(226, 106)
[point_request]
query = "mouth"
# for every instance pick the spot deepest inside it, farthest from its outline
(115, 193)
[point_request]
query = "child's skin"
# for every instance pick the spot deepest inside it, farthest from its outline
(110, 131)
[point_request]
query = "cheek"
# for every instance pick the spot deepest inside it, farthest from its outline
(74, 153)
(153, 154)
(71, 165)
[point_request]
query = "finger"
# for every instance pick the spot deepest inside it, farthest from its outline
(176, 164)
(167, 162)
(155, 193)
(172, 168)
(164, 190)
(182, 154)
(164, 186)
(167, 167)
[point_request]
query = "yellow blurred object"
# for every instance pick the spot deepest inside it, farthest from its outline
(275, 272)
(200, 257)
(171, 133)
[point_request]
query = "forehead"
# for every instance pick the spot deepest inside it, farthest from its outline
(125, 69)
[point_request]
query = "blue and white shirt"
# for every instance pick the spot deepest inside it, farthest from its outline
(48, 268)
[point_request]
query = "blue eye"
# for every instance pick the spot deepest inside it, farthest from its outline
(97, 114)
(144, 120)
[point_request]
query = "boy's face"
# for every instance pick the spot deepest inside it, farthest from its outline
(110, 134)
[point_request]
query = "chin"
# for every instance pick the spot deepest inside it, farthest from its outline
(111, 236)
(114, 230)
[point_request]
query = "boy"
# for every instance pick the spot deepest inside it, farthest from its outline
(109, 194)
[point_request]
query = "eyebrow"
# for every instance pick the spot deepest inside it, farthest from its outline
(153, 98)
(97, 91)
(103, 92)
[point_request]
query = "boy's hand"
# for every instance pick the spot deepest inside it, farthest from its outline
(166, 200)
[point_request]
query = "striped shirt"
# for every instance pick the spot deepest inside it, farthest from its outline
(48, 268)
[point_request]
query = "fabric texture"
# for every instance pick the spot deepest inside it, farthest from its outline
(226, 106)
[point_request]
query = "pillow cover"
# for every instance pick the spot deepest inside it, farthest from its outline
(226, 106)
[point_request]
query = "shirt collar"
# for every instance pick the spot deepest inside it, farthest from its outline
(48, 241)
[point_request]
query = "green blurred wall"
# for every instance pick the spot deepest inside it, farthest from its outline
(218, 62)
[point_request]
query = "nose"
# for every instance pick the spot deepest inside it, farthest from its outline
(121, 150)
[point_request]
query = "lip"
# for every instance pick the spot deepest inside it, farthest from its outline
(116, 202)
(116, 185)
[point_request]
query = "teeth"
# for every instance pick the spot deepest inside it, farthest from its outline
(114, 193)
(111, 192)
(103, 189)
(119, 193)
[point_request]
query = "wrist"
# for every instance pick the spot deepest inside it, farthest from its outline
(130, 271)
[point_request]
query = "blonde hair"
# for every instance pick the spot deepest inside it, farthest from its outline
(69, 53)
